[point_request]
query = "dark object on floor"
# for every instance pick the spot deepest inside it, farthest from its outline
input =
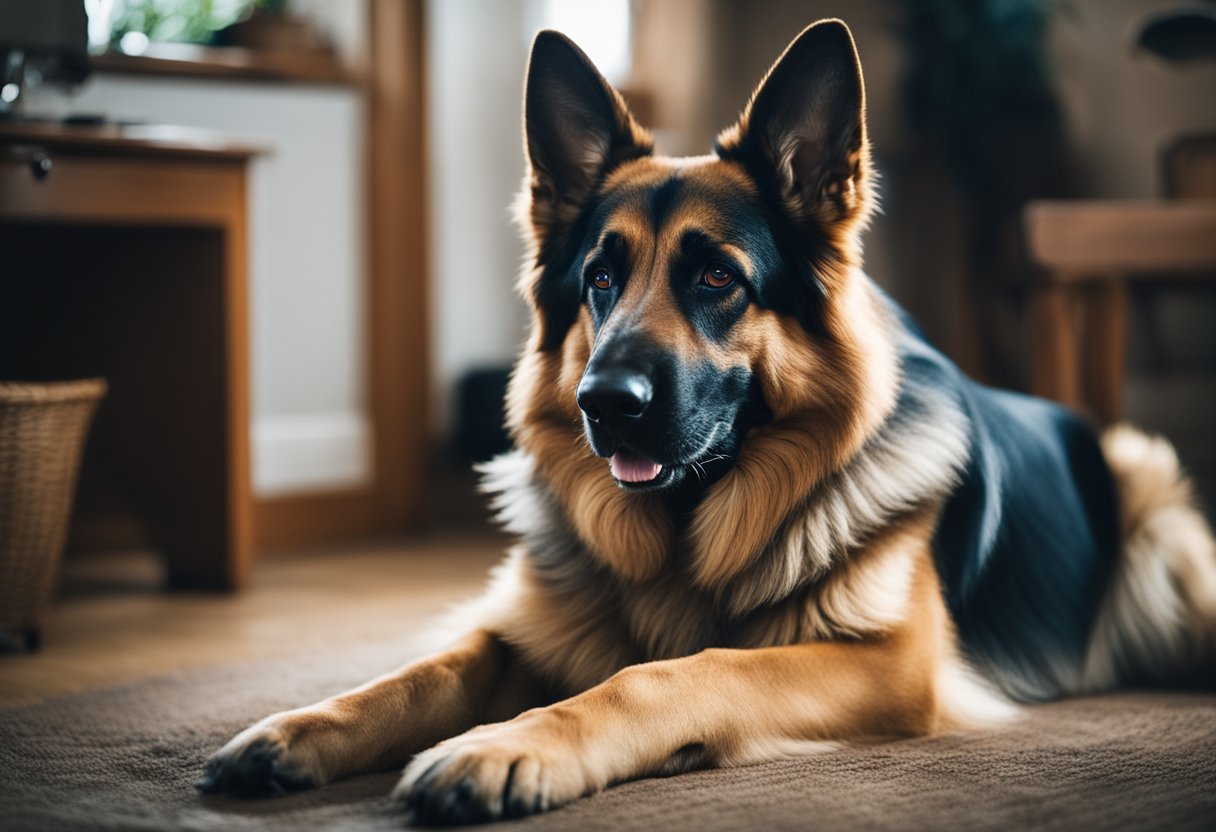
(481, 413)
(127, 758)
(42, 433)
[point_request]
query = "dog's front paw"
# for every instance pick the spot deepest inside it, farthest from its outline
(259, 762)
(487, 774)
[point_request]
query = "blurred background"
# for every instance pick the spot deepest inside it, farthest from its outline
(356, 355)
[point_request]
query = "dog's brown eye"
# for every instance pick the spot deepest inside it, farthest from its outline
(601, 279)
(717, 277)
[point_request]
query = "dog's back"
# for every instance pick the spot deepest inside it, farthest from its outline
(1071, 562)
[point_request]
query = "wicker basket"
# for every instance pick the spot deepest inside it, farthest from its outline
(42, 433)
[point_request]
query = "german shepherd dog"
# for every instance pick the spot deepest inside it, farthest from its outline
(757, 513)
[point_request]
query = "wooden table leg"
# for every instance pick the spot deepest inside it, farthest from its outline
(1104, 349)
(184, 438)
(1053, 345)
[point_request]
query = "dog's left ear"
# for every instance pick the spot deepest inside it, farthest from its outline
(804, 129)
(577, 128)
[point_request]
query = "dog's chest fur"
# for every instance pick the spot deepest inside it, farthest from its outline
(578, 624)
(836, 569)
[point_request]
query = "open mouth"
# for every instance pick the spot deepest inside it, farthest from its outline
(633, 468)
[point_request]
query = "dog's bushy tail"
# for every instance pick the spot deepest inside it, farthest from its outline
(1158, 619)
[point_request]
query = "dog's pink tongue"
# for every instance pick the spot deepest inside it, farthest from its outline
(630, 467)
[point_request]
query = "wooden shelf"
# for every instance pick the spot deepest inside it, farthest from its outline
(178, 60)
(147, 139)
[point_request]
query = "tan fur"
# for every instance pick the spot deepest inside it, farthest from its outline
(870, 653)
(630, 535)
(384, 722)
(826, 402)
(578, 636)
(885, 682)
(647, 305)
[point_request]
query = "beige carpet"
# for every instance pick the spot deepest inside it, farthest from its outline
(125, 757)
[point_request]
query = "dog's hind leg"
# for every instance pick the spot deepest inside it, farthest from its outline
(376, 726)
(1158, 619)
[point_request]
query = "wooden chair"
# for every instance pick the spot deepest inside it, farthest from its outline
(1088, 253)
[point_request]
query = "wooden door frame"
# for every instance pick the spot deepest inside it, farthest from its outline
(397, 347)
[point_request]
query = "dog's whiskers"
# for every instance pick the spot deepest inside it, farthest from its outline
(698, 465)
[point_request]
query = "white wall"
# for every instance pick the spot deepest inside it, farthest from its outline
(476, 53)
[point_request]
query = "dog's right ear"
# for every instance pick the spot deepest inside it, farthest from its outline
(577, 129)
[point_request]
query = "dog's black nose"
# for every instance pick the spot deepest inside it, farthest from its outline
(614, 397)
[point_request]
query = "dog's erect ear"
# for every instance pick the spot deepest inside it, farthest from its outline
(577, 129)
(804, 128)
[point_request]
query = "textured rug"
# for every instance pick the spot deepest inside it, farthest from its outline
(126, 758)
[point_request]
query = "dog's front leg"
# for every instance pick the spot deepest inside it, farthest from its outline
(376, 726)
(719, 707)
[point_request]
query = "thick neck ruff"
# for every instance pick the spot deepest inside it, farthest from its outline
(914, 459)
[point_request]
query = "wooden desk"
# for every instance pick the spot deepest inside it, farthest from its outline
(123, 255)
(1088, 252)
